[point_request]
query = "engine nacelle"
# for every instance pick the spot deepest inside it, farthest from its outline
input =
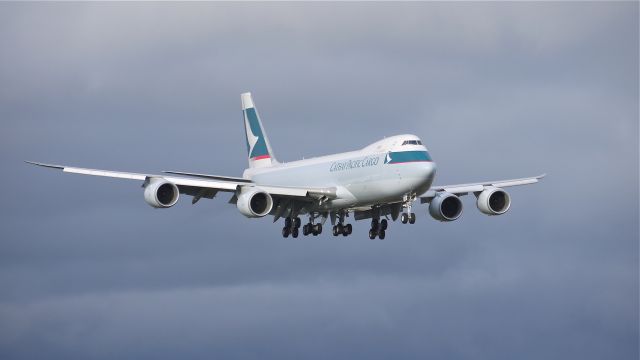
(161, 193)
(254, 203)
(493, 201)
(445, 207)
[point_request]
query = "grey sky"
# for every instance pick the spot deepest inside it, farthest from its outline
(495, 90)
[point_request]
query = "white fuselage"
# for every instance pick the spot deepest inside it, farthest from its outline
(362, 178)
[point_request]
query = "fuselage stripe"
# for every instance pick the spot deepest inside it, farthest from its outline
(261, 157)
(407, 156)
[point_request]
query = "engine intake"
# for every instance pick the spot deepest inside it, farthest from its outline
(254, 203)
(161, 193)
(445, 207)
(493, 201)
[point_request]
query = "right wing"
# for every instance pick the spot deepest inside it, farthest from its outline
(200, 185)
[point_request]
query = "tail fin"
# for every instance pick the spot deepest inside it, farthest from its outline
(258, 147)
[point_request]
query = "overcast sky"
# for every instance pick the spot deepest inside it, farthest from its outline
(495, 90)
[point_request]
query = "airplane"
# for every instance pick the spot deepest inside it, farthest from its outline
(379, 182)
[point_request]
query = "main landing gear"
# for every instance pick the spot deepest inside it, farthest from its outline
(291, 227)
(378, 229)
(345, 230)
(312, 229)
(340, 227)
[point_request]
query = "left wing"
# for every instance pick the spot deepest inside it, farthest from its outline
(464, 189)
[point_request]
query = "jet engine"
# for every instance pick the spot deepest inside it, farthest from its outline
(254, 203)
(445, 207)
(161, 193)
(493, 201)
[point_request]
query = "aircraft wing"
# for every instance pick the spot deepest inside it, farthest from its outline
(199, 185)
(464, 189)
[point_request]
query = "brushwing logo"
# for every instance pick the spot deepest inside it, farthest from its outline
(252, 140)
(256, 142)
(387, 159)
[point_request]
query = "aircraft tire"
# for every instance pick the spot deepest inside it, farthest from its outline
(348, 228)
(404, 218)
(285, 232)
(412, 218)
(381, 234)
(372, 234)
(383, 224)
(294, 232)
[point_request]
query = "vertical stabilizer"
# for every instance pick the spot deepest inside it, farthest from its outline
(258, 148)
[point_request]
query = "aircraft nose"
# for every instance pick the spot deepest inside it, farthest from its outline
(428, 170)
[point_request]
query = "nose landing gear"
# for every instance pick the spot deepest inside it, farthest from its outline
(408, 216)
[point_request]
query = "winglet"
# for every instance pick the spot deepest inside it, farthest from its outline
(45, 165)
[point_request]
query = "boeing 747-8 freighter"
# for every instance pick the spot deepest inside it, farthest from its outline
(379, 182)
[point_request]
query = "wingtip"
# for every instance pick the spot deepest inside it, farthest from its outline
(44, 165)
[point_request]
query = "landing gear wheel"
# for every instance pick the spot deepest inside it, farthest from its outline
(305, 230)
(348, 229)
(294, 232)
(372, 234)
(412, 218)
(297, 222)
(383, 224)
(404, 218)
(285, 232)
(335, 230)
(317, 228)
(381, 234)
(287, 222)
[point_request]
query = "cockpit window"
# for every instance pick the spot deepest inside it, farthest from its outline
(412, 142)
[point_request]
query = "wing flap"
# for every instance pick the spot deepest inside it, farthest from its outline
(212, 177)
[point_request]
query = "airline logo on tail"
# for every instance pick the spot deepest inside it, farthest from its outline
(256, 142)
(256, 146)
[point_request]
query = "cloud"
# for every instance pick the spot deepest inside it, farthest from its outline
(495, 90)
